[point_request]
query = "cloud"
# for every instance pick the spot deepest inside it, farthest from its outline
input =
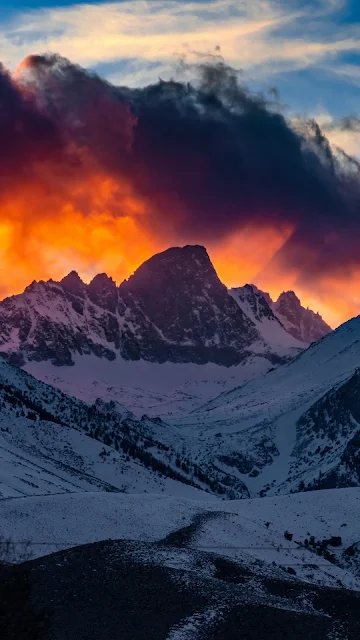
(260, 36)
(342, 133)
(183, 162)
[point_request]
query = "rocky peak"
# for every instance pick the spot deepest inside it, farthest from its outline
(73, 284)
(173, 308)
(184, 302)
(264, 294)
(289, 305)
(102, 291)
(183, 267)
(256, 299)
(302, 323)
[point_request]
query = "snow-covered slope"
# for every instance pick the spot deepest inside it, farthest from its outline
(245, 530)
(43, 459)
(51, 442)
(166, 390)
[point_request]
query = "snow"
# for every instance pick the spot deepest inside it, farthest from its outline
(268, 407)
(46, 458)
(166, 389)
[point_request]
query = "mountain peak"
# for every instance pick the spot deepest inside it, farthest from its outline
(190, 253)
(102, 291)
(101, 280)
(289, 296)
(302, 323)
(180, 295)
(72, 283)
(174, 267)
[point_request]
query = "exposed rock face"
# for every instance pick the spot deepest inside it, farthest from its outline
(258, 302)
(102, 291)
(302, 323)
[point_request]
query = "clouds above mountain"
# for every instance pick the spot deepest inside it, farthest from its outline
(171, 163)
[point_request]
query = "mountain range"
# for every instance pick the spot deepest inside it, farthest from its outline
(173, 309)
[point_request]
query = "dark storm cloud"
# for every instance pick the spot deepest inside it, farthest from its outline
(208, 158)
(26, 135)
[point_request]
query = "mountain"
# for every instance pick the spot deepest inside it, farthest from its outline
(179, 311)
(258, 307)
(173, 309)
(303, 324)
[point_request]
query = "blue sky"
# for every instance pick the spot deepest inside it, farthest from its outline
(308, 49)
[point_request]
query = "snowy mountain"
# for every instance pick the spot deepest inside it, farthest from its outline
(161, 343)
(303, 324)
(300, 322)
(257, 306)
(174, 308)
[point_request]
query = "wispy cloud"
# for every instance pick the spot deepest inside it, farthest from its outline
(343, 133)
(262, 35)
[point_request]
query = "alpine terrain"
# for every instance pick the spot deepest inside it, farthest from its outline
(177, 460)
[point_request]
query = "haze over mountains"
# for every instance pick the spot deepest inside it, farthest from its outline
(202, 416)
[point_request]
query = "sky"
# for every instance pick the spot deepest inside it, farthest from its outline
(308, 50)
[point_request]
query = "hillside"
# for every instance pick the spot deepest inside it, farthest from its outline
(256, 431)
